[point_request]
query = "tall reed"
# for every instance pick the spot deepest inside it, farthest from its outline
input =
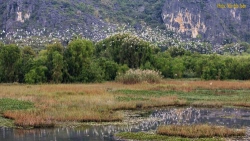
(133, 76)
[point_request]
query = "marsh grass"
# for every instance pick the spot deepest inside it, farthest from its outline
(149, 103)
(196, 98)
(6, 122)
(199, 131)
(241, 104)
(98, 115)
(27, 119)
(210, 104)
(143, 136)
(138, 76)
(48, 105)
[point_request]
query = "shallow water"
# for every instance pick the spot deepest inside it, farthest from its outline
(231, 117)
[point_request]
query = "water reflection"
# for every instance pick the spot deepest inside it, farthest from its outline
(60, 134)
(230, 117)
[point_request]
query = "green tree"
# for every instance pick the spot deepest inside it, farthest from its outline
(36, 75)
(125, 49)
(241, 68)
(25, 62)
(77, 58)
(215, 68)
(110, 68)
(92, 72)
(1, 68)
(177, 67)
(55, 62)
(9, 58)
(188, 64)
(122, 69)
(38, 71)
(57, 71)
(162, 62)
(176, 51)
(200, 64)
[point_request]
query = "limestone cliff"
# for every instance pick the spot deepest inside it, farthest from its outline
(216, 21)
(203, 20)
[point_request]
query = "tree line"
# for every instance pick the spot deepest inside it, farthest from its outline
(84, 61)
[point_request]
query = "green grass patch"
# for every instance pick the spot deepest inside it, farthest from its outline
(142, 136)
(123, 98)
(13, 104)
(224, 96)
(148, 93)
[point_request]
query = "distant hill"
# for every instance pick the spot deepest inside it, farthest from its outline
(37, 22)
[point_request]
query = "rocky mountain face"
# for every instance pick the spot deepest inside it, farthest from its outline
(49, 18)
(35, 22)
(216, 21)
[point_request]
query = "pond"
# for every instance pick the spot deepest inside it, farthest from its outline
(230, 117)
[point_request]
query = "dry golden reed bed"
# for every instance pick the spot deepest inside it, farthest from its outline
(97, 102)
(199, 131)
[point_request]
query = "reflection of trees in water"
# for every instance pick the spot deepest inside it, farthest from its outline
(159, 117)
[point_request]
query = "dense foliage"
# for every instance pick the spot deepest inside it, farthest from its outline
(125, 49)
(85, 61)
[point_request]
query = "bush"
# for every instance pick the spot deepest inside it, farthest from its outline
(110, 69)
(92, 73)
(138, 75)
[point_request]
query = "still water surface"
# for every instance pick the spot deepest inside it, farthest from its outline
(230, 117)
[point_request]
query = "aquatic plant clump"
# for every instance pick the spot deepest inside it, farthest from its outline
(137, 76)
(199, 131)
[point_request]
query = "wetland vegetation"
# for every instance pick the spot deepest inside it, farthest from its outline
(104, 82)
(60, 105)
(198, 131)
